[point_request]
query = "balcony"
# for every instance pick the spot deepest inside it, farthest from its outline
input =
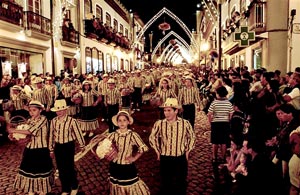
(11, 16)
(37, 26)
(70, 37)
(256, 20)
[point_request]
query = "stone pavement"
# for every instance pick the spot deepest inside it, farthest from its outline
(93, 173)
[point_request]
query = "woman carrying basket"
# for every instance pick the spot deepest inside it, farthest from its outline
(124, 177)
(35, 172)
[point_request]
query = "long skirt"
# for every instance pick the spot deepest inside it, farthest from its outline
(88, 120)
(35, 172)
(124, 179)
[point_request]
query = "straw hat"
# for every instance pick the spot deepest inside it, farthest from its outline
(122, 113)
(16, 87)
(38, 80)
(171, 102)
(111, 81)
(105, 75)
(49, 79)
(59, 105)
(36, 103)
(86, 82)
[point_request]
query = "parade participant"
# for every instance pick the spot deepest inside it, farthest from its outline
(20, 100)
(125, 90)
(124, 177)
(189, 96)
(172, 151)
(35, 172)
(138, 82)
(67, 90)
(42, 95)
(294, 163)
(53, 92)
(88, 120)
(112, 100)
(64, 130)
(164, 91)
(219, 115)
(102, 88)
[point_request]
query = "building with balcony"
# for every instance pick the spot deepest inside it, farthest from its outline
(75, 36)
(268, 19)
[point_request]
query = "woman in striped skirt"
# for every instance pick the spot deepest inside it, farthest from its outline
(88, 121)
(124, 177)
(35, 172)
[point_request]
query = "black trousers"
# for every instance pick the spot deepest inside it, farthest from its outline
(64, 156)
(112, 110)
(173, 171)
(137, 98)
(189, 113)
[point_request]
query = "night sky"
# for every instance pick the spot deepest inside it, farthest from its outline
(146, 9)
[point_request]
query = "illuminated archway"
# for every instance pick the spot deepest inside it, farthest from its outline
(174, 17)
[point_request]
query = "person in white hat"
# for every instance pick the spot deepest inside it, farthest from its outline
(172, 151)
(189, 97)
(122, 168)
(64, 131)
(102, 88)
(113, 101)
(138, 83)
(19, 100)
(88, 117)
(35, 171)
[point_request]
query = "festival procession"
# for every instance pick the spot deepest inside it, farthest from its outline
(122, 97)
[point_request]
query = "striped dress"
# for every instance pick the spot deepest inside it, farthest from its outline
(35, 172)
(124, 177)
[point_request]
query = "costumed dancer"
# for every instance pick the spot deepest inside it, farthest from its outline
(88, 120)
(124, 177)
(35, 173)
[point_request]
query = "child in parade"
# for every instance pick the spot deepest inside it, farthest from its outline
(35, 172)
(88, 120)
(64, 130)
(124, 177)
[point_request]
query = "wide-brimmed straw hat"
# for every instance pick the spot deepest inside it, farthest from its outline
(171, 102)
(38, 80)
(59, 105)
(111, 81)
(36, 103)
(122, 113)
(16, 87)
(86, 82)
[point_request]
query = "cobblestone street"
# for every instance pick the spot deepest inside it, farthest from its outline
(93, 173)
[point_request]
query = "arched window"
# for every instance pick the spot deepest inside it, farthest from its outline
(99, 13)
(95, 60)
(115, 25)
(108, 19)
(115, 63)
(101, 62)
(88, 59)
(108, 63)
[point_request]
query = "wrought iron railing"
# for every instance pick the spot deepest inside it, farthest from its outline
(70, 35)
(37, 23)
(11, 12)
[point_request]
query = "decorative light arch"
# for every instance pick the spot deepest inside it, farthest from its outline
(163, 40)
(162, 56)
(174, 17)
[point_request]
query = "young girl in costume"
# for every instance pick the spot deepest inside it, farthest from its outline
(124, 177)
(35, 172)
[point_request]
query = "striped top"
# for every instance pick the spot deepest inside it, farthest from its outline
(43, 96)
(172, 139)
(164, 94)
(102, 87)
(112, 97)
(88, 97)
(66, 90)
(125, 143)
(19, 100)
(189, 96)
(53, 91)
(65, 130)
(39, 132)
(138, 82)
(221, 110)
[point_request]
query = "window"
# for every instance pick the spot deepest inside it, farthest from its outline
(257, 58)
(99, 13)
(115, 63)
(108, 19)
(126, 32)
(121, 29)
(108, 63)
(88, 59)
(115, 25)
(242, 60)
(35, 6)
(87, 8)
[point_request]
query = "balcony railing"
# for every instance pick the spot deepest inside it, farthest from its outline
(11, 12)
(37, 23)
(70, 35)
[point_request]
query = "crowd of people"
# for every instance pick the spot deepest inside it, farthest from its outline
(254, 117)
